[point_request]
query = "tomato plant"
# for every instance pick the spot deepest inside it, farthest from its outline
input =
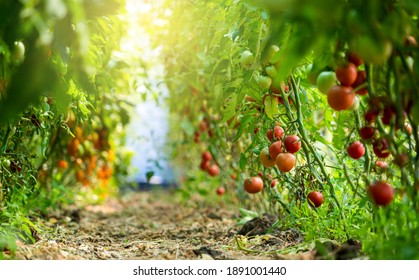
(350, 89)
(55, 83)
(259, 93)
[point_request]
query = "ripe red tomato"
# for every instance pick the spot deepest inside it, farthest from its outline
(315, 199)
(292, 143)
(346, 74)
(205, 165)
(355, 59)
(276, 84)
(340, 97)
(367, 132)
(381, 164)
(253, 185)
(16, 166)
(203, 126)
(206, 156)
(370, 116)
(388, 115)
(380, 148)
(275, 149)
(220, 191)
(280, 100)
(197, 137)
(361, 78)
(210, 133)
(285, 162)
(381, 193)
(213, 170)
(401, 159)
(273, 183)
(356, 150)
(408, 128)
(278, 132)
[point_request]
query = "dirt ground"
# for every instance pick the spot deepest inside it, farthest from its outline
(144, 225)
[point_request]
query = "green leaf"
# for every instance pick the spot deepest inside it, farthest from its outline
(218, 91)
(242, 161)
(45, 144)
(230, 109)
(244, 124)
(271, 106)
(187, 127)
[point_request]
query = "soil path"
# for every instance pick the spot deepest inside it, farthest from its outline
(148, 226)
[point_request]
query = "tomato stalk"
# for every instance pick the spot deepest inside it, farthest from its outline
(5, 139)
(310, 147)
(367, 166)
(412, 78)
(304, 141)
(351, 183)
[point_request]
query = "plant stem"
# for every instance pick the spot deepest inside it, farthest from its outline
(310, 147)
(5, 139)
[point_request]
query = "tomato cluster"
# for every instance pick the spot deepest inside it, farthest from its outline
(208, 166)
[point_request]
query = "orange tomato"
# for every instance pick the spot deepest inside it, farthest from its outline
(62, 164)
(73, 147)
(79, 176)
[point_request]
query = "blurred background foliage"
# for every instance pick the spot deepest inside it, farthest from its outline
(63, 107)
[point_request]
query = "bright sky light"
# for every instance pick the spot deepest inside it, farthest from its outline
(149, 123)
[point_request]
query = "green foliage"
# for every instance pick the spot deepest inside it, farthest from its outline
(61, 108)
(212, 67)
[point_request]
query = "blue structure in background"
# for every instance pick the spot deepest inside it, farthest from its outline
(146, 137)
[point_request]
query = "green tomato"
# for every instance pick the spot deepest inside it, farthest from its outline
(19, 51)
(264, 82)
(409, 63)
(271, 71)
(6, 163)
(326, 80)
(246, 59)
(271, 53)
(355, 106)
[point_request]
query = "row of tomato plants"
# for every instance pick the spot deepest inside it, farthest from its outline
(313, 120)
(61, 111)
